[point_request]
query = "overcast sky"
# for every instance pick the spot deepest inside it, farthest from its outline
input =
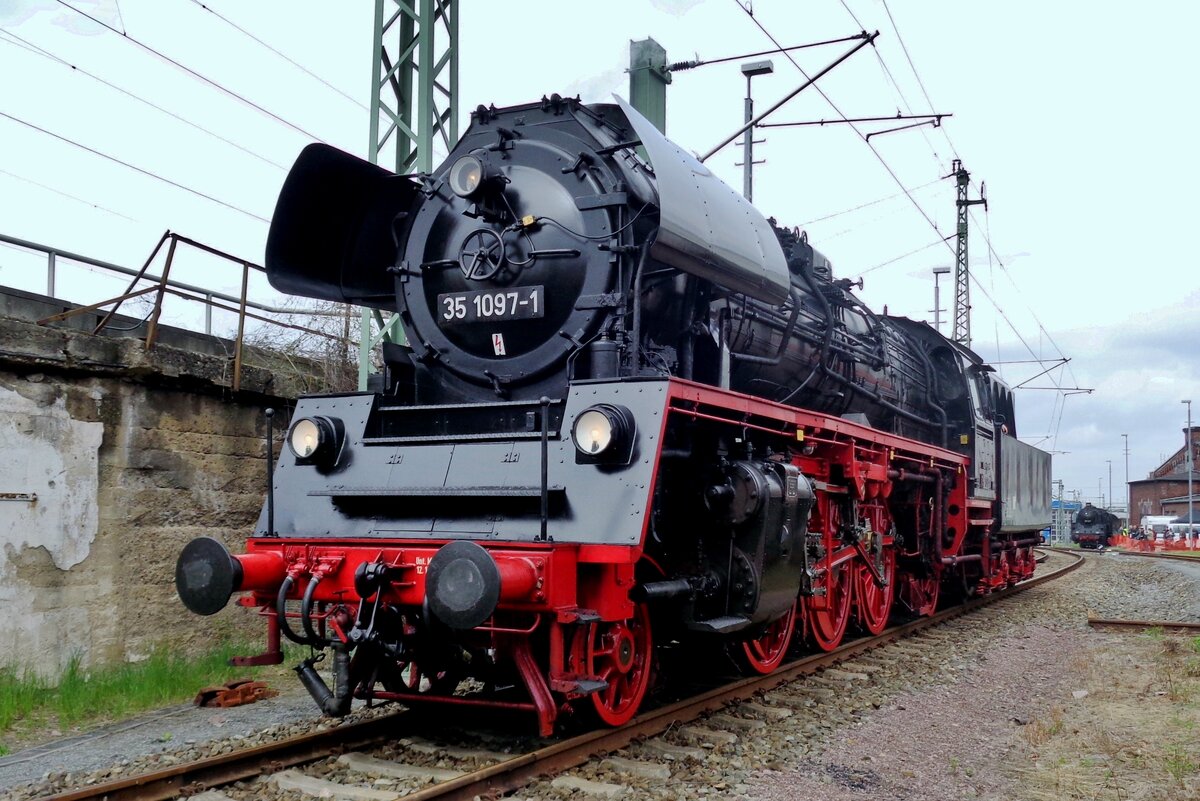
(1073, 113)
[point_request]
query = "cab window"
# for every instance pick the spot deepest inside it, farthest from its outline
(981, 395)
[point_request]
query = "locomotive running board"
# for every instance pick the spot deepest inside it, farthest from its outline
(438, 492)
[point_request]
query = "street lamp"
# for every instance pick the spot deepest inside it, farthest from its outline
(1128, 498)
(1187, 444)
(938, 272)
(750, 70)
(1110, 495)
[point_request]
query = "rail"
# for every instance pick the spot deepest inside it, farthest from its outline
(1149, 546)
(1165, 625)
(512, 773)
(162, 285)
(1178, 554)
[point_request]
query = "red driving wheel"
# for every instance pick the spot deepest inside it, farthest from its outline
(874, 603)
(619, 653)
(766, 652)
(827, 624)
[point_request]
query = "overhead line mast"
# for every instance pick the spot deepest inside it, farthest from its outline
(962, 276)
(408, 50)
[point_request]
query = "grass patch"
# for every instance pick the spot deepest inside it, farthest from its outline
(83, 695)
(1039, 732)
(1178, 764)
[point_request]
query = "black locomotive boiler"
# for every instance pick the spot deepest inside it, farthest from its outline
(628, 412)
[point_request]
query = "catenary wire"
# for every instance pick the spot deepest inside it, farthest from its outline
(900, 257)
(992, 281)
(749, 12)
(17, 44)
(702, 62)
(41, 51)
(133, 167)
(987, 232)
(839, 112)
(987, 238)
(285, 57)
(895, 84)
(869, 203)
(66, 195)
(120, 16)
(1007, 274)
(192, 72)
(916, 74)
(860, 224)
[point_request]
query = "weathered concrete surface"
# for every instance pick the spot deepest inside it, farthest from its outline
(130, 454)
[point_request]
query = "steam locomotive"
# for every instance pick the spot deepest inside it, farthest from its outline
(1092, 527)
(628, 413)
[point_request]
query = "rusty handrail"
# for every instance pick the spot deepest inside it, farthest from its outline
(163, 285)
(117, 268)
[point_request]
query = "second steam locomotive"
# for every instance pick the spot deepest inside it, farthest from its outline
(630, 413)
(1092, 527)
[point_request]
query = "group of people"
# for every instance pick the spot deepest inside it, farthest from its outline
(1165, 533)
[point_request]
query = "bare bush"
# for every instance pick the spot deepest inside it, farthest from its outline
(318, 341)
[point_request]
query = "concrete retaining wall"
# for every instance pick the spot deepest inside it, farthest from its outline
(130, 454)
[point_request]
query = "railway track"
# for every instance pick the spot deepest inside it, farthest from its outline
(1152, 555)
(1148, 554)
(458, 772)
(1165, 625)
(1121, 623)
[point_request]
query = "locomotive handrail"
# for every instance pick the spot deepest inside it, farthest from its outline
(544, 402)
(162, 285)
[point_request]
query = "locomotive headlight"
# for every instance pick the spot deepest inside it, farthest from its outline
(316, 440)
(593, 432)
(605, 434)
(466, 176)
(305, 438)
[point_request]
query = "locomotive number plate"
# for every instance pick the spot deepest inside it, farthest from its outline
(519, 303)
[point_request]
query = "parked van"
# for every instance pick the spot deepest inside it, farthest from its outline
(1157, 527)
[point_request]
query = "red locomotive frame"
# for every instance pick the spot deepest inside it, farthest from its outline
(565, 618)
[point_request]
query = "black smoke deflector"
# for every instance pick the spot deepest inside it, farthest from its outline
(336, 227)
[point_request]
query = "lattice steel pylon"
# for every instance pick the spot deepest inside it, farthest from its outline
(962, 275)
(414, 94)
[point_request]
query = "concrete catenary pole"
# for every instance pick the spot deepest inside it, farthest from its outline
(938, 272)
(751, 70)
(649, 76)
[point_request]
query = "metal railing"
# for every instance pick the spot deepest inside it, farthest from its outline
(163, 285)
